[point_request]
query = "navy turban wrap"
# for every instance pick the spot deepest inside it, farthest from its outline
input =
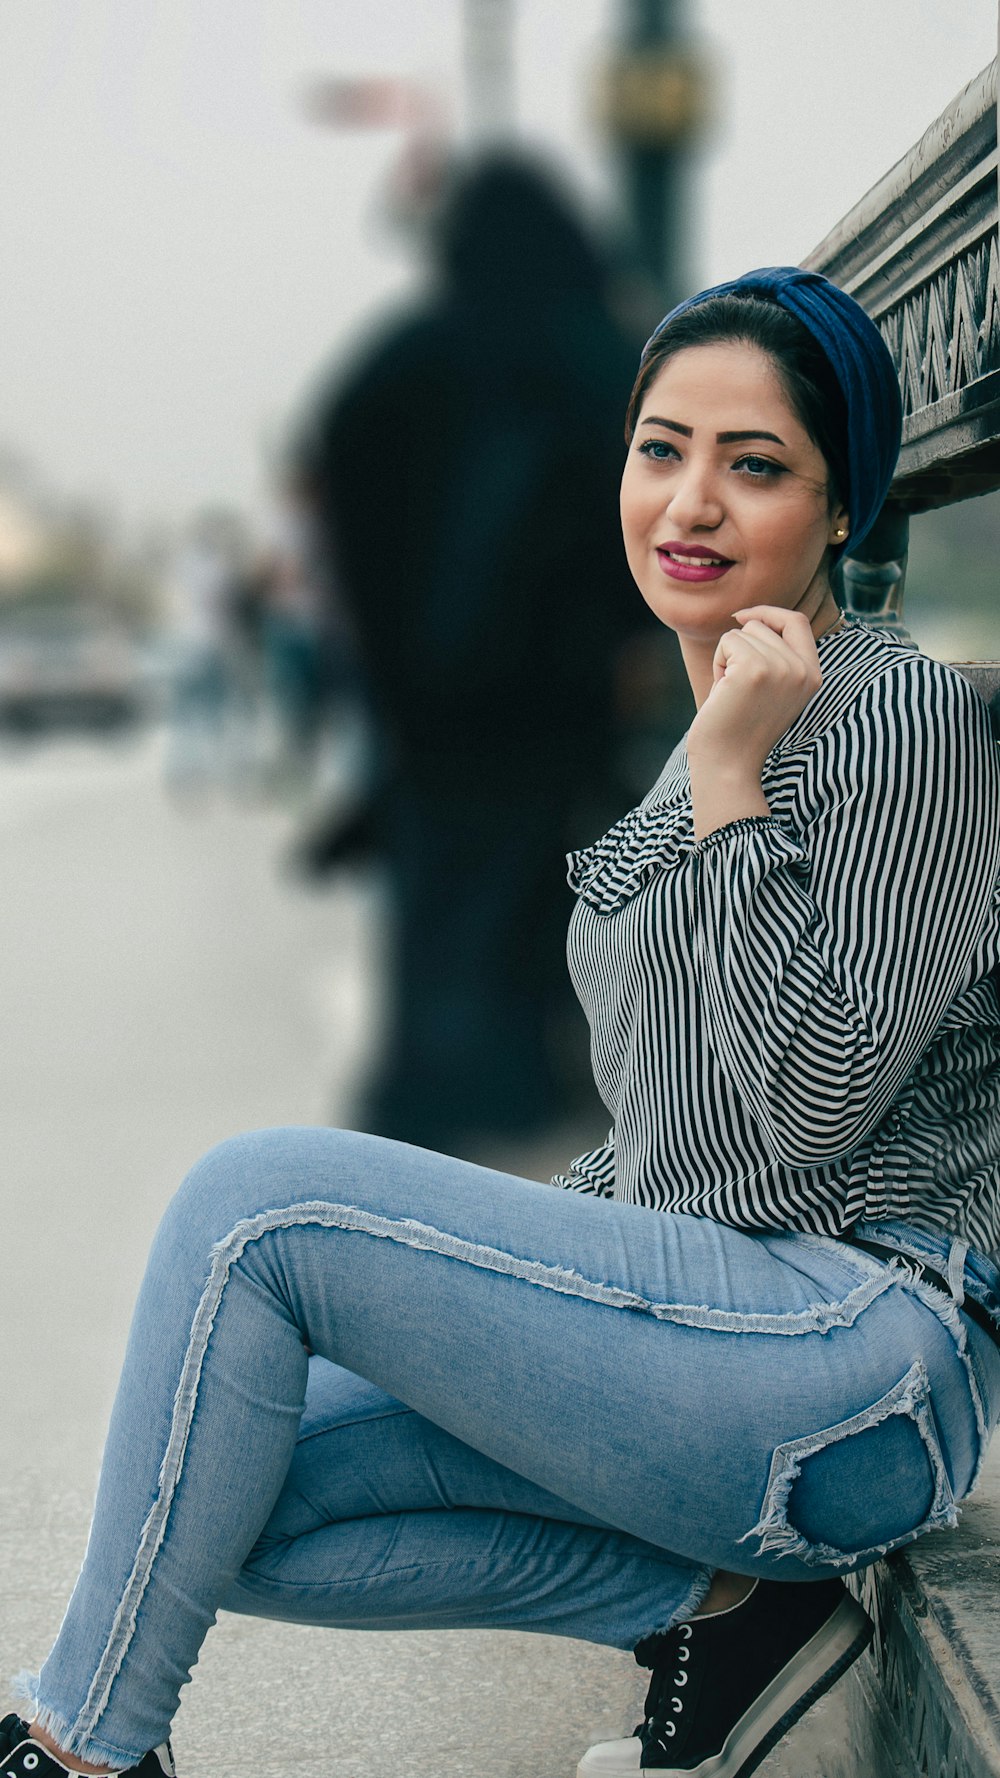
(861, 363)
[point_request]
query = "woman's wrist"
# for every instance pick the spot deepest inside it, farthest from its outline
(724, 790)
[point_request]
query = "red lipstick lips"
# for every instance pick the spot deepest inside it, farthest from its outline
(692, 561)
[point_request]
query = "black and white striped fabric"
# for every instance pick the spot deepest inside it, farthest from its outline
(795, 1021)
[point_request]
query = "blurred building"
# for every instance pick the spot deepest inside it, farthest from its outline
(23, 542)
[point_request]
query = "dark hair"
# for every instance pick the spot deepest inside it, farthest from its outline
(806, 374)
(508, 229)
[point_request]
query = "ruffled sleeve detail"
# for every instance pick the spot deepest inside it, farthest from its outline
(651, 838)
(593, 1172)
(742, 828)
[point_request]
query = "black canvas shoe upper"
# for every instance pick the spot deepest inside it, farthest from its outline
(22, 1757)
(709, 1673)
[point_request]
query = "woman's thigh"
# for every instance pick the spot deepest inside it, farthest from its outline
(769, 1402)
(362, 1454)
(385, 1521)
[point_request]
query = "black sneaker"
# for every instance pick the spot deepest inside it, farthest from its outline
(24, 1758)
(728, 1685)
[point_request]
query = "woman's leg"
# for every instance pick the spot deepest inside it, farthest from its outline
(386, 1521)
(752, 1403)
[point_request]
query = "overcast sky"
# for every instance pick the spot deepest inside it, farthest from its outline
(181, 247)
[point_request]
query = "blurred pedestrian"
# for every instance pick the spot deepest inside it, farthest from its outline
(465, 468)
(293, 632)
(213, 690)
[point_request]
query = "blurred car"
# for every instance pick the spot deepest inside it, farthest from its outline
(67, 666)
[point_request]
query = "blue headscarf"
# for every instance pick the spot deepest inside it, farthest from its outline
(861, 363)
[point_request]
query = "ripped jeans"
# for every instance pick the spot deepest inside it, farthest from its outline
(373, 1387)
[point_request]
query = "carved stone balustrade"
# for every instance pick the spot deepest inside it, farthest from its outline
(920, 252)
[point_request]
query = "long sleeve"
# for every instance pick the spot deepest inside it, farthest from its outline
(829, 940)
(592, 1172)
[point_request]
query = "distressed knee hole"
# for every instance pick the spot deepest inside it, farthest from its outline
(851, 1492)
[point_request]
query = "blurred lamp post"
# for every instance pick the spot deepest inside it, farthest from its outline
(654, 102)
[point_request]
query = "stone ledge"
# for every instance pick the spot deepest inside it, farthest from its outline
(924, 1701)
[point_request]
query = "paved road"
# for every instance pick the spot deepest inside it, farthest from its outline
(160, 988)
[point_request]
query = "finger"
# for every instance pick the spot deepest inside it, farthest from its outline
(780, 617)
(759, 639)
(756, 653)
(759, 633)
(764, 647)
(793, 626)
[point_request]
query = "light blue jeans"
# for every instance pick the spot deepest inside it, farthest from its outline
(525, 1408)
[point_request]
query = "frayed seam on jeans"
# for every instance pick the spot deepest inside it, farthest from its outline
(906, 1270)
(698, 1591)
(24, 1688)
(910, 1396)
(816, 1318)
(947, 1311)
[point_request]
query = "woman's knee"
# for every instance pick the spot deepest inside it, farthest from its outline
(255, 1172)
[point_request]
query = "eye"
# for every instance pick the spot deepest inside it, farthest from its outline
(658, 450)
(759, 468)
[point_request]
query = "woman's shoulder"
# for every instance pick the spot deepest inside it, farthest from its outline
(874, 674)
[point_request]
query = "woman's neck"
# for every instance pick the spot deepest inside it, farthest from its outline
(698, 657)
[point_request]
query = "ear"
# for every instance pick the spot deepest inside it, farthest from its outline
(840, 527)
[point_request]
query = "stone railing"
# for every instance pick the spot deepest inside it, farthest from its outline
(920, 252)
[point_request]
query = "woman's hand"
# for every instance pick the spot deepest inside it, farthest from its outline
(764, 675)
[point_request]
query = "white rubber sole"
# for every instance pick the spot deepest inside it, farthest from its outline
(817, 1666)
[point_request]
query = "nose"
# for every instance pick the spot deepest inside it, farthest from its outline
(695, 502)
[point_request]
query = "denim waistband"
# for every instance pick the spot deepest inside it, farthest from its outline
(968, 1272)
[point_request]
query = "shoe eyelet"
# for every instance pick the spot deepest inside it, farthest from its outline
(676, 1705)
(683, 1654)
(30, 1761)
(680, 1679)
(670, 1728)
(685, 1630)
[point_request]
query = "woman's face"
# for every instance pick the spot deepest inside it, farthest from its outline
(724, 498)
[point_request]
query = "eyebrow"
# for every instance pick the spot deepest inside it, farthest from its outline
(720, 437)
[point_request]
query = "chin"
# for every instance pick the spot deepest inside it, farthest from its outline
(687, 618)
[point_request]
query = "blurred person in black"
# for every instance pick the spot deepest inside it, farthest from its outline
(465, 469)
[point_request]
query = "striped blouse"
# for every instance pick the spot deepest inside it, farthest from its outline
(795, 1021)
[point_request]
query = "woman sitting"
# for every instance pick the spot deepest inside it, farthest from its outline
(755, 1344)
